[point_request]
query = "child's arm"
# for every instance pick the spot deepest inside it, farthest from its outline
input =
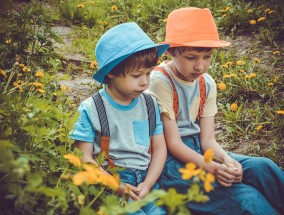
(224, 174)
(185, 154)
(158, 158)
(179, 150)
(87, 149)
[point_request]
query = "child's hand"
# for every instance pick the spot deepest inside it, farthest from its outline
(238, 173)
(225, 175)
(144, 189)
(132, 191)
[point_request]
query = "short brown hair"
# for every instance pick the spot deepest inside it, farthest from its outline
(147, 58)
(181, 49)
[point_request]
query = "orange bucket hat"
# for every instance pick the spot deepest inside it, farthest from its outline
(193, 27)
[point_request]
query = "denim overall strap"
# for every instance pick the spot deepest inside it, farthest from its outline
(151, 116)
(202, 90)
(105, 132)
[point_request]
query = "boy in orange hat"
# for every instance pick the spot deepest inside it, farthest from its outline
(187, 98)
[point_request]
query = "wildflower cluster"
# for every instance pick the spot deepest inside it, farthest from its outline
(191, 170)
(91, 174)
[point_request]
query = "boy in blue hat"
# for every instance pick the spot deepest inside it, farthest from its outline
(120, 120)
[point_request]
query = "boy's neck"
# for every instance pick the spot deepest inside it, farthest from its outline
(177, 73)
(116, 96)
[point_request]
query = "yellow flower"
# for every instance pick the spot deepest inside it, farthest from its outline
(22, 65)
(226, 65)
(81, 5)
(3, 73)
(41, 90)
(227, 8)
(20, 89)
(276, 52)
(270, 84)
(189, 171)
(81, 199)
(39, 74)
(252, 22)
(73, 159)
(209, 178)
(93, 64)
(224, 15)
(275, 79)
(233, 75)
(8, 41)
(261, 19)
(208, 156)
(63, 88)
(108, 180)
(240, 62)
(249, 10)
(226, 76)
(270, 12)
(234, 107)
(257, 60)
(37, 84)
(259, 127)
(114, 8)
(92, 2)
(26, 69)
(222, 86)
(280, 112)
(80, 178)
(241, 70)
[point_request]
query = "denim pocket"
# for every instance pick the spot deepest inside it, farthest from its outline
(141, 132)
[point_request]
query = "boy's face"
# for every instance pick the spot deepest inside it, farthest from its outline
(190, 63)
(125, 88)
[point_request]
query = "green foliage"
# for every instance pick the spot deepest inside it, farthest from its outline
(36, 115)
(26, 34)
(239, 17)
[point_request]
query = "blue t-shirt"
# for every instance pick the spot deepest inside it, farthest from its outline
(129, 130)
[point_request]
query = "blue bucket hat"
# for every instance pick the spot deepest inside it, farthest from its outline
(120, 42)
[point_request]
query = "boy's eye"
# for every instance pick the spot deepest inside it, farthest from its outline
(135, 76)
(208, 56)
(190, 58)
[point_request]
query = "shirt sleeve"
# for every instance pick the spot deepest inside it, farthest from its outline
(159, 125)
(210, 106)
(83, 130)
(159, 88)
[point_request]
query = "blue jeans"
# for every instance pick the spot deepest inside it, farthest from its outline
(261, 191)
(135, 177)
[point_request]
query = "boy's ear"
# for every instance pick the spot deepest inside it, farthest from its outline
(110, 75)
(171, 53)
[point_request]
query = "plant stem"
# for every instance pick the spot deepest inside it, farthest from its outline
(219, 161)
(96, 197)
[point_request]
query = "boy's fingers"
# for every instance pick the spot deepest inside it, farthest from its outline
(133, 188)
(133, 196)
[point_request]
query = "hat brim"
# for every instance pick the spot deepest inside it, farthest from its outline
(103, 71)
(201, 43)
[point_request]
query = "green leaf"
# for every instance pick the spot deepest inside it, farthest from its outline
(172, 200)
(34, 180)
(87, 211)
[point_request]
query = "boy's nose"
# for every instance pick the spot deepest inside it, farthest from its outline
(143, 81)
(199, 66)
